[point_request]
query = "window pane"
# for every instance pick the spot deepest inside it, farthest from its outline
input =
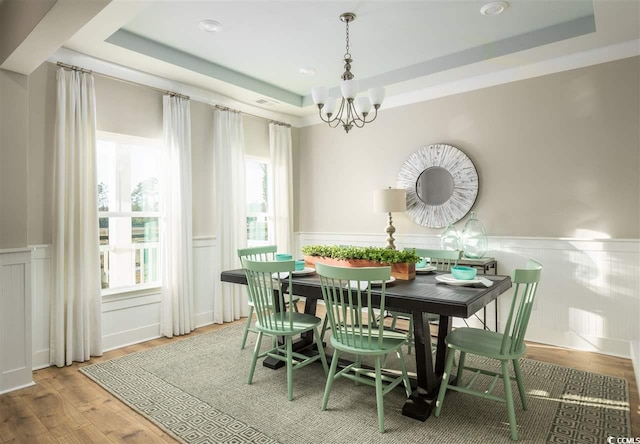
(258, 227)
(103, 223)
(257, 191)
(145, 170)
(104, 268)
(106, 160)
(144, 229)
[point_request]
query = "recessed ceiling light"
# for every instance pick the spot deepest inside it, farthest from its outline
(210, 26)
(307, 71)
(494, 8)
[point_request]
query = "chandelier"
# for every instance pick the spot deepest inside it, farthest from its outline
(353, 110)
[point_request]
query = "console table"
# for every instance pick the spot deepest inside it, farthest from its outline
(484, 265)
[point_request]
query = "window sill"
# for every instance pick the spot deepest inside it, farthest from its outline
(113, 294)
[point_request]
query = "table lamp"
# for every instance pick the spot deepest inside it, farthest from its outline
(391, 200)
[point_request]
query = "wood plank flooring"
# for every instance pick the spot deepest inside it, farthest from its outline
(66, 407)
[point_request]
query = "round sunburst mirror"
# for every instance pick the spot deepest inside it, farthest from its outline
(441, 184)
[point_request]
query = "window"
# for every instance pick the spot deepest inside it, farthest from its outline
(129, 211)
(258, 209)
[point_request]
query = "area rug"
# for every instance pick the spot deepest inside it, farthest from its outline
(196, 390)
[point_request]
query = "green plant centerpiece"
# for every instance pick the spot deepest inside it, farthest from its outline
(403, 263)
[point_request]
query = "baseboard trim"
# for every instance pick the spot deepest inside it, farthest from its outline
(130, 337)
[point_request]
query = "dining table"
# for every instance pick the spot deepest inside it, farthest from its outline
(419, 297)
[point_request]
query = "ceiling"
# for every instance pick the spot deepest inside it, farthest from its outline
(412, 48)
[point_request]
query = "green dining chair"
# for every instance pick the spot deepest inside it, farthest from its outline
(277, 318)
(347, 296)
(443, 260)
(504, 347)
(263, 253)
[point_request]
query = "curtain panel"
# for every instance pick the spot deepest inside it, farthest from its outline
(178, 315)
(230, 301)
(76, 328)
(282, 184)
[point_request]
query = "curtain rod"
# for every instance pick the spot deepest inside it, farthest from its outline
(226, 108)
(88, 71)
(163, 91)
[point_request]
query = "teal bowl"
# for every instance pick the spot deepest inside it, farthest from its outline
(463, 273)
(300, 265)
(284, 257)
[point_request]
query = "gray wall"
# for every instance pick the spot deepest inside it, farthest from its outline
(14, 137)
(557, 156)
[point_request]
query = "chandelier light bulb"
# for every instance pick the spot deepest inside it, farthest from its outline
(376, 95)
(329, 106)
(363, 106)
(349, 89)
(319, 94)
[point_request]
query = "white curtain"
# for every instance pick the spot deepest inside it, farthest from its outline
(176, 232)
(230, 301)
(282, 185)
(76, 328)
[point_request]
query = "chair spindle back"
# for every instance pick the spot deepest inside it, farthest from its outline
(526, 284)
(267, 292)
(443, 260)
(347, 292)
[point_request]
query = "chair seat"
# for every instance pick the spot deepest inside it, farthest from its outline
(301, 322)
(481, 342)
(390, 341)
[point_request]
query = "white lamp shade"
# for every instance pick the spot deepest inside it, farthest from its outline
(329, 105)
(349, 89)
(391, 200)
(363, 106)
(319, 94)
(376, 95)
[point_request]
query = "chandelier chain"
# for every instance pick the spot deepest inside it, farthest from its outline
(347, 55)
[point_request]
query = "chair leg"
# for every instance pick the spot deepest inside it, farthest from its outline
(523, 395)
(289, 341)
(246, 327)
(509, 398)
(379, 394)
(325, 327)
(332, 374)
(256, 352)
(394, 321)
(403, 368)
(445, 381)
(323, 356)
(410, 334)
(463, 355)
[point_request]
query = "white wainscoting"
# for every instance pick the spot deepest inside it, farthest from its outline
(204, 278)
(15, 320)
(41, 286)
(127, 318)
(588, 298)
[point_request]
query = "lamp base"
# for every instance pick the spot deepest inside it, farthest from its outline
(390, 230)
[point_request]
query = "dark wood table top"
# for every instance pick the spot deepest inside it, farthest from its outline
(422, 294)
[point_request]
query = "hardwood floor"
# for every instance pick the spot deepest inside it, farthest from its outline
(66, 407)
